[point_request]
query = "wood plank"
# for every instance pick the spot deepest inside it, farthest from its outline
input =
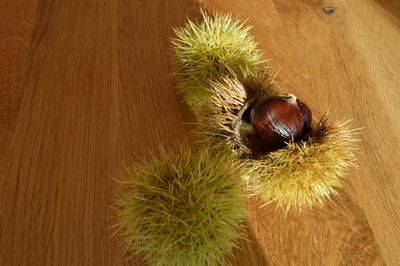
(16, 27)
(86, 113)
(335, 60)
(152, 114)
(65, 136)
(354, 61)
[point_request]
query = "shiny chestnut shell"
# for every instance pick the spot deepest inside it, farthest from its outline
(276, 120)
(306, 114)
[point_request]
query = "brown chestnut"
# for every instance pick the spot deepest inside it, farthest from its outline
(276, 120)
(306, 114)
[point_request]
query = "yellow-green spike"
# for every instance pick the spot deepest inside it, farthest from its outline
(208, 51)
(183, 209)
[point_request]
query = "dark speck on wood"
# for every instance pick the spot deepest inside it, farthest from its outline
(329, 10)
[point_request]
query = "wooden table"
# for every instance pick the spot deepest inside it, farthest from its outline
(85, 90)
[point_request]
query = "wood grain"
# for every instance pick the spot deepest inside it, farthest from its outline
(85, 90)
(16, 27)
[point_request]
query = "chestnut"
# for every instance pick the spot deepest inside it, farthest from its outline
(306, 114)
(276, 120)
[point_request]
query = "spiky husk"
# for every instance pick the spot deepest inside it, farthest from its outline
(302, 174)
(305, 173)
(207, 51)
(185, 209)
(220, 120)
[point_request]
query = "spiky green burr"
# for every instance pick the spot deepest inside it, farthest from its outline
(306, 173)
(207, 51)
(302, 174)
(183, 209)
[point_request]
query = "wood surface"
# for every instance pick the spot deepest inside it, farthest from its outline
(85, 90)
